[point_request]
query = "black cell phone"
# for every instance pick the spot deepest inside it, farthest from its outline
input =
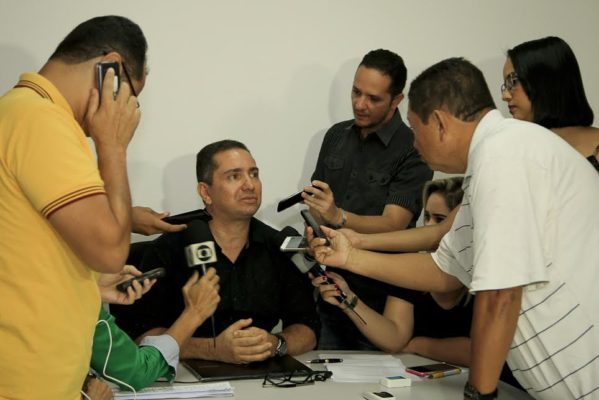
(313, 224)
(188, 216)
(101, 69)
(289, 201)
(152, 274)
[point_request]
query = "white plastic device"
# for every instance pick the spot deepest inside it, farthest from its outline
(378, 396)
(395, 381)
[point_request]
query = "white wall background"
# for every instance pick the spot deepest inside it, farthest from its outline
(276, 74)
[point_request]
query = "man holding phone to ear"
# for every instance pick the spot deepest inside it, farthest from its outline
(64, 216)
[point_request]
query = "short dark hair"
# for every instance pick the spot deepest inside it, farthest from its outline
(101, 35)
(454, 84)
(449, 188)
(549, 74)
(205, 164)
(390, 64)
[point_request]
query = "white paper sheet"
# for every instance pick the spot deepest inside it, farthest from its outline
(365, 367)
(161, 390)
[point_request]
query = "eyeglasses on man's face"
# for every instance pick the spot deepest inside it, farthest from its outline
(510, 81)
(296, 378)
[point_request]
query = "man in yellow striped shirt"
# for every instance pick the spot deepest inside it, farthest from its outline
(64, 216)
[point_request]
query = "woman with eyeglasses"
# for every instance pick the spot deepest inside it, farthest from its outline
(542, 84)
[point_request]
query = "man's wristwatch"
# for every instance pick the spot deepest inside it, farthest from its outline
(471, 393)
(343, 220)
(281, 348)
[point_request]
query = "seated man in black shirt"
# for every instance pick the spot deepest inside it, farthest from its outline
(258, 284)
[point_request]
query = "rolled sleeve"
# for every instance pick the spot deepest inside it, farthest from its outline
(406, 187)
(166, 345)
(116, 355)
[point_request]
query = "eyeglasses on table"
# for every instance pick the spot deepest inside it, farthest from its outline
(296, 378)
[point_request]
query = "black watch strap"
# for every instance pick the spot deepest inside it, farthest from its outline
(471, 393)
(281, 348)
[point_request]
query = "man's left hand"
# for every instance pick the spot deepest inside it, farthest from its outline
(254, 344)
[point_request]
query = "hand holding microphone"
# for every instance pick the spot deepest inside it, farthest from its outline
(306, 264)
(333, 289)
(198, 254)
(201, 295)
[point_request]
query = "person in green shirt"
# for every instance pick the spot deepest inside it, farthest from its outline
(117, 358)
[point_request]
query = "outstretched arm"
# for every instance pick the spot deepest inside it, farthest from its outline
(415, 271)
(424, 238)
(146, 221)
(389, 331)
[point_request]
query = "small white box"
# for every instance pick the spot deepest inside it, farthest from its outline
(395, 381)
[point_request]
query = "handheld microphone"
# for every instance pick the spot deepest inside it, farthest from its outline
(307, 264)
(304, 262)
(198, 255)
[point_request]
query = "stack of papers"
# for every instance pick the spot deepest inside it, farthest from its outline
(365, 367)
(163, 390)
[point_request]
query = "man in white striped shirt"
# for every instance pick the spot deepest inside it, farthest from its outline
(525, 241)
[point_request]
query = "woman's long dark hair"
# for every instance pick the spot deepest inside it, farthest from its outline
(549, 74)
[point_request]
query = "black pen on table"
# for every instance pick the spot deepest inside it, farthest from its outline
(325, 360)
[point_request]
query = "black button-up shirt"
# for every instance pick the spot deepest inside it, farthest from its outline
(262, 284)
(366, 174)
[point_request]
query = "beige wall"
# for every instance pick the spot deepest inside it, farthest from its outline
(276, 74)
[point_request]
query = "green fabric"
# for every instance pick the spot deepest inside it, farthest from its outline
(129, 363)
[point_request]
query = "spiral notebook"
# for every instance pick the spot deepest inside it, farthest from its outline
(209, 371)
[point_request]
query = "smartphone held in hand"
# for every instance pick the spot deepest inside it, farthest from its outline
(294, 243)
(101, 69)
(311, 222)
(153, 274)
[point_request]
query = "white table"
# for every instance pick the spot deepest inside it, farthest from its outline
(449, 388)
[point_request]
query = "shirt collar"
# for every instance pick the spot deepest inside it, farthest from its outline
(46, 89)
(255, 234)
(386, 132)
(491, 119)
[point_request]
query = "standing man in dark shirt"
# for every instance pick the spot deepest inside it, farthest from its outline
(259, 286)
(369, 178)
